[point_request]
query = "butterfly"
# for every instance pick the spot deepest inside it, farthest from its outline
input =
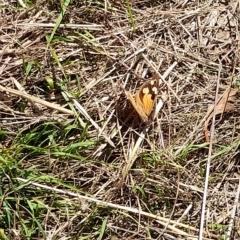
(145, 98)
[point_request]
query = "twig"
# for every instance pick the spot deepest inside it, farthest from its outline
(236, 203)
(209, 159)
(96, 27)
(161, 220)
(36, 99)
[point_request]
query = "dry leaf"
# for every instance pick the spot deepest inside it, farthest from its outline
(223, 105)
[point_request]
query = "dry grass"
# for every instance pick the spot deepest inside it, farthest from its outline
(71, 166)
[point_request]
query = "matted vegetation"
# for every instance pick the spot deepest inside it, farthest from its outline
(73, 165)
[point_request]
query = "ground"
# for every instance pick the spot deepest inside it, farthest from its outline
(78, 161)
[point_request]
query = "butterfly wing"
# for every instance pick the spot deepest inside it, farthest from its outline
(147, 95)
(138, 107)
(148, 104)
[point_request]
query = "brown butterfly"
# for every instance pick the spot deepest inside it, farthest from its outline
(145, 98)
